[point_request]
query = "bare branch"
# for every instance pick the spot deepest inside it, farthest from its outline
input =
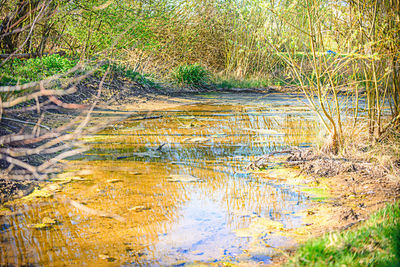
(27, 122)
(60, 157)
(22, 164)
(25, 98)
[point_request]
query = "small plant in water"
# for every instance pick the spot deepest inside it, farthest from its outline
(191, 75)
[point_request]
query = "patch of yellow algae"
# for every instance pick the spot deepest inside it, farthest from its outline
(46, 191)
(315, 188)
(316, 218)
(259, 227)
(316, 221)
(4, 210)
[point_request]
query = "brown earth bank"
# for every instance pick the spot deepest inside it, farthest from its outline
(353, 190)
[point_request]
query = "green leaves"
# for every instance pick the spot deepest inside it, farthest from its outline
(35, 69)
(191, 75)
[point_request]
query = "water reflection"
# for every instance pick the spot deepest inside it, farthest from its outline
(128, 172)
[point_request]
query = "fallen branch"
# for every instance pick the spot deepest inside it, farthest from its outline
(147, 118)
(60, 157)
(25, 98)
(318, 164)
(58, 102)
(27, 122)
(44, 149)
(23, 165)
(352, 224)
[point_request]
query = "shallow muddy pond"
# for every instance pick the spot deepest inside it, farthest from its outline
(172, 189)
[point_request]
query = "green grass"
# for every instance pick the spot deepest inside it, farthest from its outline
(376, 242)
(34, 69)
(193, 75)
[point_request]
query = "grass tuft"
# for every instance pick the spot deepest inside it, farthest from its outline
(193, 75)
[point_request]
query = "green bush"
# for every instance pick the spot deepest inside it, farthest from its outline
(34, 69)
(191, 75)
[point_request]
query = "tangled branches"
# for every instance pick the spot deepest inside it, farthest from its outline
(30, 148)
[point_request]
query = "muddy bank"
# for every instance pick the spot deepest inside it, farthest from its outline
(350, 190)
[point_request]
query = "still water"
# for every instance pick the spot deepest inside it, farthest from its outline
(170, 190)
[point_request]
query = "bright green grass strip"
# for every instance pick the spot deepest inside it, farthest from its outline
(375, 242)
